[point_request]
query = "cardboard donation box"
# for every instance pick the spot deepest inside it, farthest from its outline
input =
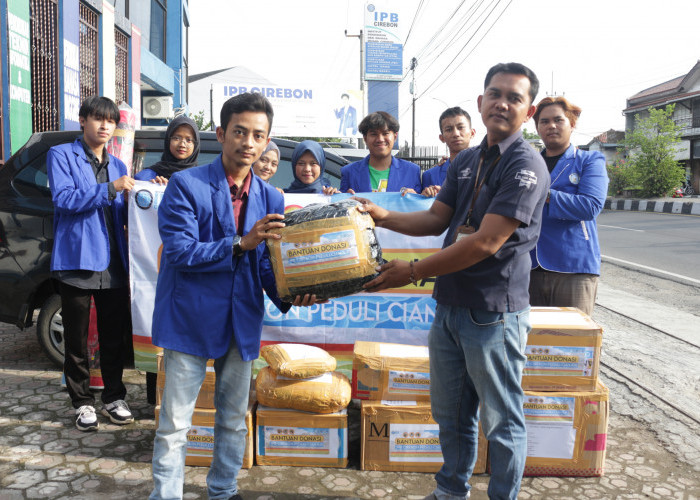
(200, 438)
(298, 438)
(402, 436)
(566, 432)
(394, 372)
(563, 350)
(205, 399)
(329, 250)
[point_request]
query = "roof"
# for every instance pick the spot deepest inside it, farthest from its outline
(610, 138)
(201, 76)
(667, 92)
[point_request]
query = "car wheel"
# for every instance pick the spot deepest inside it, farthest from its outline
(49, 329)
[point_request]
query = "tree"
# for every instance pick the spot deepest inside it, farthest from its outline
(198, 118)
(530, 135)
(651, 148)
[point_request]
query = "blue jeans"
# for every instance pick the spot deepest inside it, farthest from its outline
(184, 374)
(477, 357)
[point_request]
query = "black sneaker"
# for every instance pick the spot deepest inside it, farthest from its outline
(86, 419)
(118, 412)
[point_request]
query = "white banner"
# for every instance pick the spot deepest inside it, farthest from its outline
(400, 316)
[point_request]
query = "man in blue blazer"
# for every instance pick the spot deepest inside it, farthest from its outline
(566, 260)
(380, 170)
(89, 259)
(209, 303)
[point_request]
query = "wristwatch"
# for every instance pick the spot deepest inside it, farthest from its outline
(237, 250)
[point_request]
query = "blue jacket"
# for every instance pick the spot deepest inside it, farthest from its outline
(80, 234)
(402, 173)
(436, 175)
(145, 175)
(569, 238)
(205, 296)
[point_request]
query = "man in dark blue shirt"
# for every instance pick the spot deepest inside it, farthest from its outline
(491, 206)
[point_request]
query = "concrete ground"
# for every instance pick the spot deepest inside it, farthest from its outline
(42, 455)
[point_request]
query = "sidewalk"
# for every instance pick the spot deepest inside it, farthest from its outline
(687, 206)
(42, 455)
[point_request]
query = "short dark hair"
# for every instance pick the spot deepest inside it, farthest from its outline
(100, 108)
(379, 120)
(344, 95)
(456, 111)
(514, 68)
(247, 101)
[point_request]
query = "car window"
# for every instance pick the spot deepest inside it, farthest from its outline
(144, 159)
(32, 180)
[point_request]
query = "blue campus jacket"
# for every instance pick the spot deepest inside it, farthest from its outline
(436, 175)
(402, 173)
(205, 297)
(569, 238)
(80, 234)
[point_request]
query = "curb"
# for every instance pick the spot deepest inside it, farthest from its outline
(668, 207)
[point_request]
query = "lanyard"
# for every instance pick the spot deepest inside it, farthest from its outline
(478, 184)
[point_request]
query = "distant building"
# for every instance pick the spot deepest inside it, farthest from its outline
(607, 143)
(684, 92)
(55, 53)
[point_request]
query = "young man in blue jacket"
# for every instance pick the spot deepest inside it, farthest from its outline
(380, 170)
(566, 261)
(456, 131)
(213, 221)
(89, 259)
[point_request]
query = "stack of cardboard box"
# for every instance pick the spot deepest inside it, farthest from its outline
(304, 422)
(200, 438)
(398, 430)
(566, 406)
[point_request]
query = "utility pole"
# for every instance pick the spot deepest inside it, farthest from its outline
(414, 63)
(211, 106)
(362, 74)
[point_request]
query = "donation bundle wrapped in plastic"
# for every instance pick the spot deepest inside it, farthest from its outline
(327, 393)
(298, 360)
(329, 250)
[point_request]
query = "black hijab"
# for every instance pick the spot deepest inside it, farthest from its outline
(168, 164)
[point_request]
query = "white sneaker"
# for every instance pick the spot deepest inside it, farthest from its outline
(86, 419)
(118, 412)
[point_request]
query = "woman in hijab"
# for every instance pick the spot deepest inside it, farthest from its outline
(180, 151)
(309, 165)
(266, 166)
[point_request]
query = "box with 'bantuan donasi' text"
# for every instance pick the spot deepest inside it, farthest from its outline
(563, 350)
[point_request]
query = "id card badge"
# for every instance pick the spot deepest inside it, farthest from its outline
(462, 231)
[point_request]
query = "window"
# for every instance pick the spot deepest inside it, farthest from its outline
(44, 62)
(89, 62)
(121, 6)
(696, 113)
(157, 34)
(121, 56)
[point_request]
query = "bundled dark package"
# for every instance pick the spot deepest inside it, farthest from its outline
(329, 250)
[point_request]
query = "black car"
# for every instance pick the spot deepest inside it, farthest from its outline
(26, 224)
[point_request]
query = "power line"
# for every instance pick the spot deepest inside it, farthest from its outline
(415, 17)
(442, 78)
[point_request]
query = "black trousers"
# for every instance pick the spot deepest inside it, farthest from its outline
(113, 319)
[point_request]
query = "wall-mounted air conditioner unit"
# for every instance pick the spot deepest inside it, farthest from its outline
(157, 107)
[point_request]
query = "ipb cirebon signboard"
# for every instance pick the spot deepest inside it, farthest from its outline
(383, 41)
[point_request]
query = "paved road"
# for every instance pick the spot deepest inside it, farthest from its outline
(664, 241)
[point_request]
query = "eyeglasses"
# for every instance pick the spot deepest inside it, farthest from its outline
(186, 140)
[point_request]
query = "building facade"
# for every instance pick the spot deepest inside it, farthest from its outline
(55, 53)
(684, 92)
